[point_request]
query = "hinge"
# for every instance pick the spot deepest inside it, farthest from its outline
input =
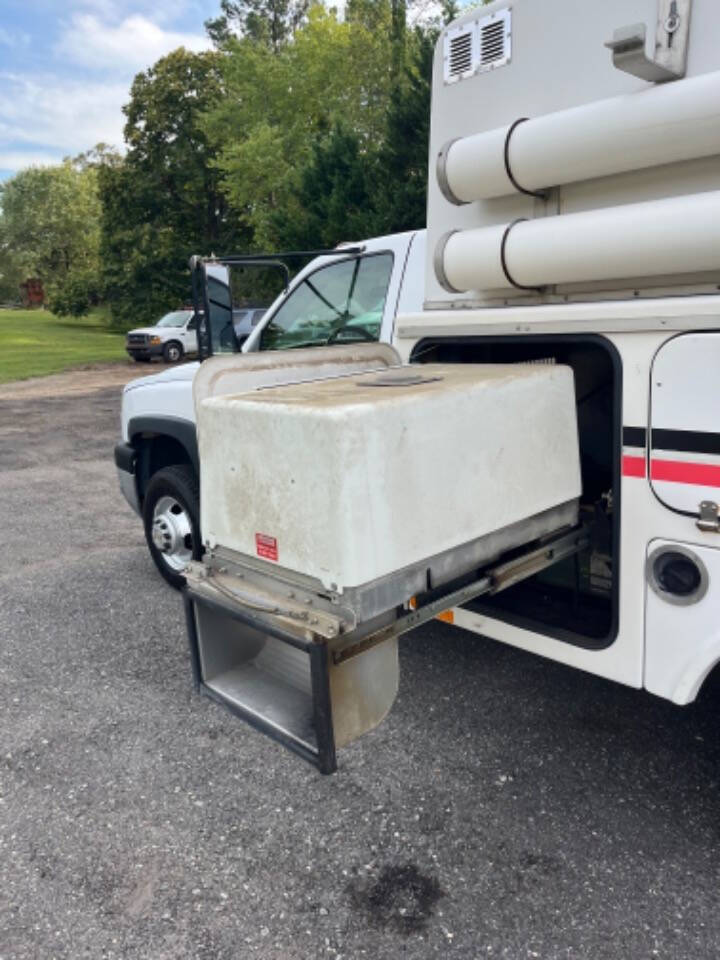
(709, 519)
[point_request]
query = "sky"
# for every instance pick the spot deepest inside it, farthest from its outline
(66, 67)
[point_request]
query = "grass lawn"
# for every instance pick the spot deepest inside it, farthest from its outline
(35, 342)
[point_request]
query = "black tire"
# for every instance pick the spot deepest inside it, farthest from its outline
(179, 484)
(172, 352)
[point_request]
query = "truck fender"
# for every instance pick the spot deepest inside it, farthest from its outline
(149, 428)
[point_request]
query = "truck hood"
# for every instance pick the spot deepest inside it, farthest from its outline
(152, 331)
(185, 371)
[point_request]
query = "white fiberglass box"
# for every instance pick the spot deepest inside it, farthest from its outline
(352, 479)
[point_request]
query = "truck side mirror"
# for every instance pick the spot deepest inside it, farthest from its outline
(212, 298)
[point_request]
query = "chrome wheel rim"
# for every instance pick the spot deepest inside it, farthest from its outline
(172, 533)
(173, 354)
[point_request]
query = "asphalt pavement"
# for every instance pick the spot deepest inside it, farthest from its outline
(508, 807)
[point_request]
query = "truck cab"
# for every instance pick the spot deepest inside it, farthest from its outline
(344, 298)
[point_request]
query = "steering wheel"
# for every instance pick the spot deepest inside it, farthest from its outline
(358, 333)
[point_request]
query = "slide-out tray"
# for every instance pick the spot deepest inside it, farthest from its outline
(278, 676)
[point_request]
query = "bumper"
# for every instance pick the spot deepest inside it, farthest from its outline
(125, 463)
(144, 353)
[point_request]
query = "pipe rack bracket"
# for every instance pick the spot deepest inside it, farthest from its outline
(671, 40)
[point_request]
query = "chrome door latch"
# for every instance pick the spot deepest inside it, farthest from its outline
(709, 519)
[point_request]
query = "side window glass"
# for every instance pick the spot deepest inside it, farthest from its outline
(341, 303)
(368, 298)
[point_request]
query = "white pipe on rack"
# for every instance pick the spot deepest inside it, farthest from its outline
(661, 237)
(663, 124)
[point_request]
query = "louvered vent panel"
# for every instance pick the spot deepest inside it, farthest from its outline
(461, 54)
(492, 42)
(476, 47)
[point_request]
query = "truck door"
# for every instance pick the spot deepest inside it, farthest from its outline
(684, 440)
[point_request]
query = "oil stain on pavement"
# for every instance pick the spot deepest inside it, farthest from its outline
(401, 898)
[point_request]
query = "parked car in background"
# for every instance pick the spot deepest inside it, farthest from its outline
(246, 319)
(172, 338)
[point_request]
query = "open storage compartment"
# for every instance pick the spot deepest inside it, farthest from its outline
(575, 601)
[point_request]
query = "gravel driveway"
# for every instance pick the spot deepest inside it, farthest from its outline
(508, 807)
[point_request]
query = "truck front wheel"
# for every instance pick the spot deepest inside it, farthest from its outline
(171, 518)
(172, 352)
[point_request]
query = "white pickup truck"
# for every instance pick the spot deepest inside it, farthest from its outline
(172, 337)
(338, 299)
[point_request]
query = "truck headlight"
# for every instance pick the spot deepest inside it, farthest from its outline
(155, 341)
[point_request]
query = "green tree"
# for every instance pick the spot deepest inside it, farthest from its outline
(451, 9)
(333, 200)
(50, 229)
(101, 155)
(299, 130)
(278, 105)
(163, 202)
(270, 22)
(401, 194)
(350, 188)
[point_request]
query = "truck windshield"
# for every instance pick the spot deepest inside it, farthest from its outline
(340, 303)
(178, 318)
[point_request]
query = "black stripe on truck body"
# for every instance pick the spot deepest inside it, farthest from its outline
(634, 437)
(686, 441)
(681, 441)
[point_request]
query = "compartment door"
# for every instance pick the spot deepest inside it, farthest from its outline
(682, 633)
(685, 422)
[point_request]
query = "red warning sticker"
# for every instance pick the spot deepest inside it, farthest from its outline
(266, 546)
